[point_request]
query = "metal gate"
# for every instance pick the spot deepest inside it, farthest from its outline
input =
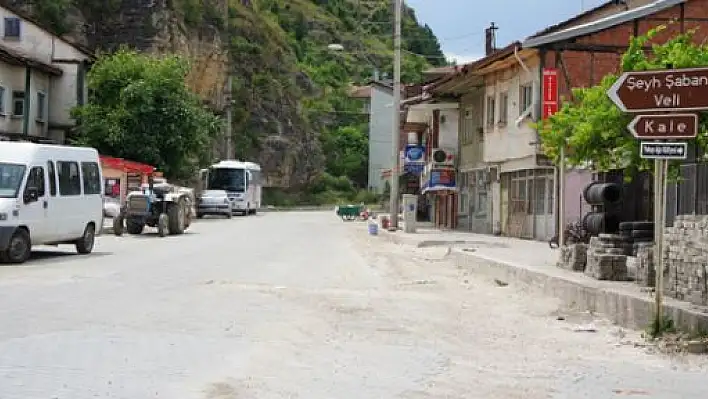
(528, 204)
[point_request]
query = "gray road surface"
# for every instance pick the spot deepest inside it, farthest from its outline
(301, 305)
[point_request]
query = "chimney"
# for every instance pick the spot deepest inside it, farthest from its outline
(490, 36)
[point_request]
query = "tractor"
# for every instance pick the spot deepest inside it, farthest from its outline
(156, 204)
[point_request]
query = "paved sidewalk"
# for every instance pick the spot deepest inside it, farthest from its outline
(533, 263)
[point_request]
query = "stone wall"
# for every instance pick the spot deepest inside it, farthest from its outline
(606, 258)
(686, 259)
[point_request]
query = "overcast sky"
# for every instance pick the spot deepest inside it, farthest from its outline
(460, 24)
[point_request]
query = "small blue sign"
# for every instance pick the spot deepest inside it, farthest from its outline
(411, 207)
(414, 154)
(414, 168)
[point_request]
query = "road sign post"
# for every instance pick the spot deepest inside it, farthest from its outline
(670, 91)
(663, 150)
(664, 127)
(673, 90)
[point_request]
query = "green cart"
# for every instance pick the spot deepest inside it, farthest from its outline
(349, 212)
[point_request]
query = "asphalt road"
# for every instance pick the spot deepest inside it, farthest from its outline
(301, 305)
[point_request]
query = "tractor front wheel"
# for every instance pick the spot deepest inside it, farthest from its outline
(176, 218)
(163, 224)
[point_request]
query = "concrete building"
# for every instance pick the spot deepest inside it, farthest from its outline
(42, 77)
(380, 107)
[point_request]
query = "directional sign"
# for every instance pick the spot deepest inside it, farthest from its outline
(664, 127)
(654, 150)
(665, 90)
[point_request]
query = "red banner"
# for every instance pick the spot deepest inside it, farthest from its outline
(550, 92)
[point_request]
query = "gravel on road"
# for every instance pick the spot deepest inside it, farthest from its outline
(303, 305)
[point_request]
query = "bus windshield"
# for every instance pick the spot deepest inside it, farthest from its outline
(227, 179)
(10, 179)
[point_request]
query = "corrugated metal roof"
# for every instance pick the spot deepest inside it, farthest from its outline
(568, 21)
(602, 24)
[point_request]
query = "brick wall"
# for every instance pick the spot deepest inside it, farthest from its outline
(586, 68)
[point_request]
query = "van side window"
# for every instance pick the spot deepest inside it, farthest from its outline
(92, 178)
(69, 178)
(35, 179)
(52, 178)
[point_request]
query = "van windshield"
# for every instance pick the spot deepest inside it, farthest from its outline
(10, 179)
(227, 179)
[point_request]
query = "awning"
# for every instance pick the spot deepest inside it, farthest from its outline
(125, 165)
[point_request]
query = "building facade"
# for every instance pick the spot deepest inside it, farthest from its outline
(42, 78)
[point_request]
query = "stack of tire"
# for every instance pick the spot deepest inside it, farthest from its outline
(604, 198)
(634, 234)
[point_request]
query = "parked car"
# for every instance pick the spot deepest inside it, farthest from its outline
(111, 207)
(49, 195)
(214, 202)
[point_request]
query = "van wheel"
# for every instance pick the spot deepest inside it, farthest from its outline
(18, 249)
(84, 245)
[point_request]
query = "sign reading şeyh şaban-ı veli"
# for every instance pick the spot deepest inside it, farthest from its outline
(663, 90)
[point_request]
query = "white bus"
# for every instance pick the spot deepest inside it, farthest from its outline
(240, 180)
(49, 195)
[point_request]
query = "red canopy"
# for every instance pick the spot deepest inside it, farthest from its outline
(125, 165)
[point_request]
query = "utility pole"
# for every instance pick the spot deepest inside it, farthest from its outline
(229, 115)
(398, 6)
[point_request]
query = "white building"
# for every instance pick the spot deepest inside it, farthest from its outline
(42, 77)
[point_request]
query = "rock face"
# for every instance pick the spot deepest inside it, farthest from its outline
(287, 148)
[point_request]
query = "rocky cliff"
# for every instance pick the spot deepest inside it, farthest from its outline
(286, 82)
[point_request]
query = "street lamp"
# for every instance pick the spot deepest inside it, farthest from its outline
(339, 47)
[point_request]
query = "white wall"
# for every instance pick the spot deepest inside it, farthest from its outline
(36, 43)
(12, 78)
(380, 136)
(508, 143)
(449, 129)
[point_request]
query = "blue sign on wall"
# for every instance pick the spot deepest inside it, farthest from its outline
(414, 168)
(414, 154)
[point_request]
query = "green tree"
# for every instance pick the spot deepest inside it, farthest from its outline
(595, 130)
(347, 150)
(140, 109)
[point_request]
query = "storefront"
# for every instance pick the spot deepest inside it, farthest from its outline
(121, 176)
(440, 188)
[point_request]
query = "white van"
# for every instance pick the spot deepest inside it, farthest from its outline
(49, 195)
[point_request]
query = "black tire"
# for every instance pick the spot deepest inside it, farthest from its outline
(626, 226)
(642, 233)
(84, 245)
(119, 225)
(19, 248)
(175, 213)
(643, 226)
(133, 227)
(200, 215)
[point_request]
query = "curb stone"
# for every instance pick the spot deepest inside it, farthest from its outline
(621, 305)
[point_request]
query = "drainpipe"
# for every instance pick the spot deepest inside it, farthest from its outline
(26, 106)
